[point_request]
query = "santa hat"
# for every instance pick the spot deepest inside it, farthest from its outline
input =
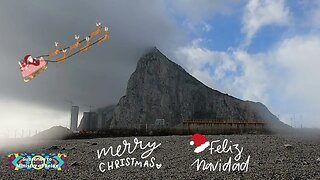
(27, 58)
(200, 142)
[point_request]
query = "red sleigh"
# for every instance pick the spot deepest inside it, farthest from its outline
(31, 67)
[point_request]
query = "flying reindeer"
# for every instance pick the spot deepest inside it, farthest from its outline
(76, 44)
(105, 37)
(56, 52)
(97, 31)
(86, 47)
(64, 57)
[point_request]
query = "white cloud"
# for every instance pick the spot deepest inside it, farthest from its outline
(197, 28)
(235, 72)
(300, 57)
(253, 81)
(260, 13)
(207, 27)
(195, 59)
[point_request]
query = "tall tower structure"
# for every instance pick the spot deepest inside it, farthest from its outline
(74, 118)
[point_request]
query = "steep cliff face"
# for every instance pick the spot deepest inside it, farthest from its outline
(161, 89)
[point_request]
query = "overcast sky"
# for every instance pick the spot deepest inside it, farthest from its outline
(256, 50)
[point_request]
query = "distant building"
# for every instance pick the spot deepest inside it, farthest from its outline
(74, 118)
(89, 122)
(101, 121)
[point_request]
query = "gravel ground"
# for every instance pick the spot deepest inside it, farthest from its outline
(271, 157)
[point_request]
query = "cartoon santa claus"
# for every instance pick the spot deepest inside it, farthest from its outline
(29, 60)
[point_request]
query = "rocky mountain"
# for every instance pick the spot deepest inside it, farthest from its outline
(161, 89)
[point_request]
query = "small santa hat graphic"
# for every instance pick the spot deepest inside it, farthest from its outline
(200, 142)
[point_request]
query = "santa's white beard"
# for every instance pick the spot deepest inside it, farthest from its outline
(30, 59)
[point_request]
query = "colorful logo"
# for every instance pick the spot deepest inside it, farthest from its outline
(33, 161)
(200, 141)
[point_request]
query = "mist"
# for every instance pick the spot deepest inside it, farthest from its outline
(96, 78)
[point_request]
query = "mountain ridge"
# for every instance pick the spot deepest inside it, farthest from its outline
(161, 89)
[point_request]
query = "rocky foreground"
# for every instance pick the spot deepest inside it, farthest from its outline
(263, 157)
